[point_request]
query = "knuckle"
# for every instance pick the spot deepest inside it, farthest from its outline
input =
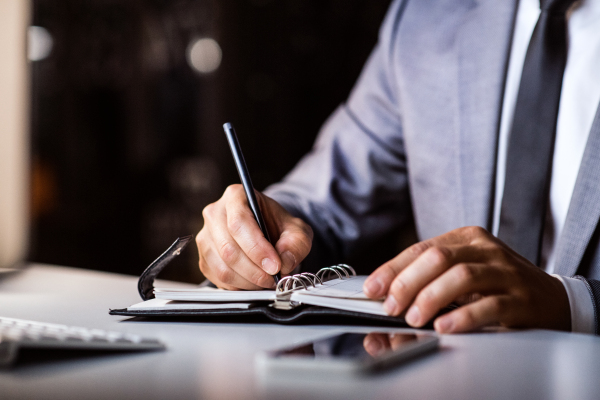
(478, 231)
(224, 275)
(235, 224)
(398, 285)
(499, 305)
(525, 297)
(464, 272)
(438, 254)
(233, 190)
(468, 318)
(255, 250)
(260, 278)
(228, 253)
(228, 190)
(208, 211)
(499, 254)
(474, 231)
(418, 248)
(427, 297)
(199, 238)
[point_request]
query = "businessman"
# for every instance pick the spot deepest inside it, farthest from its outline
(477, 121)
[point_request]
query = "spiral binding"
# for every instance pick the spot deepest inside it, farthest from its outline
(306, 279)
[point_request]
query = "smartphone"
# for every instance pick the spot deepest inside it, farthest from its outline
(349, 352)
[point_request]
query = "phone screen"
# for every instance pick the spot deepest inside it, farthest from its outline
(354, 346)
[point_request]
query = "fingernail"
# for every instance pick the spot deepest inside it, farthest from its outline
(444, 324)
(390, 305)
(373, 287)
(269, 266)
(413, 316)
(373, 346)
(289, 261)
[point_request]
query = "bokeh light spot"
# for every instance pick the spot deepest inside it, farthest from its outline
(204, 55)
(39, 43)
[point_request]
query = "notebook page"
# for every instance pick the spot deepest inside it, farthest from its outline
(163, 305)
(345, 294)
(348, 288)
(365, 306)
(214, 295)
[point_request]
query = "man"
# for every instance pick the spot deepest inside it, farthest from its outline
(477, 118)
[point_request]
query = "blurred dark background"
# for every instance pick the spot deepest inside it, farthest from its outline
(127, 111)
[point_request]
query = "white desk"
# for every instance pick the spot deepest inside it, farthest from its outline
(216, 361)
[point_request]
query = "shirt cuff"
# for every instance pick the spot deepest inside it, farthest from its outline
(581, 304)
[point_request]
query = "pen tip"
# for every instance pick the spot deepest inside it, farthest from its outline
(227, 125)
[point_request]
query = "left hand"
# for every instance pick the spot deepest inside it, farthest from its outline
(471, 267)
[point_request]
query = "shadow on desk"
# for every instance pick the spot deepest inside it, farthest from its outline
(56, 361)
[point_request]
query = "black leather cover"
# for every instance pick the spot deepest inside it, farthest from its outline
(299, 315)
(146, 281)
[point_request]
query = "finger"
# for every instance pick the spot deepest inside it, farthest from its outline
(427, 267)
(221, 274)
(398, 340)
(461, 279)
(294, 235)
(244, 229)
(207, 272)
(378, 283)
(376, 343)
(487, 311)
(216, 271)
(294, 243)
(236, 259)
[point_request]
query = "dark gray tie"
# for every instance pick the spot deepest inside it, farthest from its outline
(531, 143)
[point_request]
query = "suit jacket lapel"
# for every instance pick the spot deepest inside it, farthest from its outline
(484, 46)
(584, 209)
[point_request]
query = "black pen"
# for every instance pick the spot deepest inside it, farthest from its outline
(242, 169)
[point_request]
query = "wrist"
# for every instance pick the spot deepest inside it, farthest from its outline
(561, 309)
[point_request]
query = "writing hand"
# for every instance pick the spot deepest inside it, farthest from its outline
(234, 254)
(469, 266)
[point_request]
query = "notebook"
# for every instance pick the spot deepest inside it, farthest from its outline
(344, 294)
(333, 293)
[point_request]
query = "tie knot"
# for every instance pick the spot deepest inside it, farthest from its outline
(556, 6)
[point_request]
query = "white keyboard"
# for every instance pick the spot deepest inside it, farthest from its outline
(18, 333)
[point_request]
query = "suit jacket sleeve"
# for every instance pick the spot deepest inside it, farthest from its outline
(352, 188)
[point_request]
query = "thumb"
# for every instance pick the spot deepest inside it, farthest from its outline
(294, 236)
(294, 243)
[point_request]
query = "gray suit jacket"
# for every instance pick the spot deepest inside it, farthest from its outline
(418, 135)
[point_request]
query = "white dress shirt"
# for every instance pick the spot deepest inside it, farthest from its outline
(579, 101)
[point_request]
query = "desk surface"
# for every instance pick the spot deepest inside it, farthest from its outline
(216, 360)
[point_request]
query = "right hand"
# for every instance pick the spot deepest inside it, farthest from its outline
(379, 343)
(234, 254)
